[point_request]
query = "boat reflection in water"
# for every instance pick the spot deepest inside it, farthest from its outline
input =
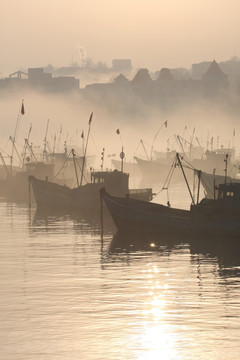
(129, 242)
(150, 295)
(226, 254)
(84, 220)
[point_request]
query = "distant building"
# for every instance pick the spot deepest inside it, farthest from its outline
(141, 77)
(121, 79)
(209, 72)
(199, 69)
(37, 74)
(37, 79)
(120, 65)
(215, 74)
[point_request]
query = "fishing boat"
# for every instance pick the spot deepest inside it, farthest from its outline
(214, 159)
(131, 168)
(210, 217)
(155, 169)
(15, 187)
(220, 217)
(52, 195)
(211, 182)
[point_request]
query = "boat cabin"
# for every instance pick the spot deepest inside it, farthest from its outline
(231, 190)
(116, 182)
(40, 170)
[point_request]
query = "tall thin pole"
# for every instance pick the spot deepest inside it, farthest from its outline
(15, 133)
(122, 157)
(144, 149)
(85, 151)
(102, 157)
(75, 167)
(214, 184)
(25, 145)
(199, 180)
(226, 161)
(165, 123)
(180, 164)
(45, 142)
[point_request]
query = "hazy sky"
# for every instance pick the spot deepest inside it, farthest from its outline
(153, 33)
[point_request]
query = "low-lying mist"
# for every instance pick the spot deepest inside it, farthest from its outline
(212, 124)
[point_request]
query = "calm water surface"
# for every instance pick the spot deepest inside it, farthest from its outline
(68, 294)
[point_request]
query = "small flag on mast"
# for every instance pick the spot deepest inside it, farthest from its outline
(22, 109)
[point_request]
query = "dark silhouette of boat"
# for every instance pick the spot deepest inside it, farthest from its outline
(220, 217)
(210, 183)
(213, 217)
(15, 187)
(53, 195)
(213, 160)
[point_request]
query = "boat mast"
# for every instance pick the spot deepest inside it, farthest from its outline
(85, 151)
(165, 123)
(13, 139)
(45, 142)
(225, 170)
(199, 181)
(30, 149)
(14, 148)
(122, 156)
(180, 164)
(144, 149)
(75, 167)
(25, 145)
(202, 150)
(102, 157)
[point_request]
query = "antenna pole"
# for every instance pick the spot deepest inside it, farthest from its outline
(180, 164)
(75, 168)
(225, 170)
(85, 151)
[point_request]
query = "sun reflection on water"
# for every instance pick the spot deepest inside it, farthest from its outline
(158, 342)
(158, 337)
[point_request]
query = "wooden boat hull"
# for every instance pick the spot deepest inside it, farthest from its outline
(157, 169)
(51, 195)
(141, 217)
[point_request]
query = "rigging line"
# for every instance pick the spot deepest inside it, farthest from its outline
(169, 177)
(165, 123)
(94, 143)
(6, 145)
(137, 148)
(80, 157)
(65, 161)
(190, 166)
(145, 142)
(80, 167)
(170, 174)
